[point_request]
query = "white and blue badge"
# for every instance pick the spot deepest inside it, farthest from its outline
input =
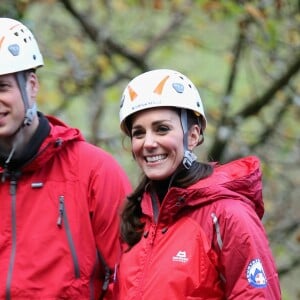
(178, 87)
(255, 274)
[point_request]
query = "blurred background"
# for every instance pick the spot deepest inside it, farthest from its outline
(244, 57)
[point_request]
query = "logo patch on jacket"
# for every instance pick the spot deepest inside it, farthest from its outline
(256, 274)
(180, 257)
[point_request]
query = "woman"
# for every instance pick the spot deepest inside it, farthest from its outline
(191, 230)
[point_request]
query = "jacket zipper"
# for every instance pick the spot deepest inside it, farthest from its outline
(62, 218)
(13, 193)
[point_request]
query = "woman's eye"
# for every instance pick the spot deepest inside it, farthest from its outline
(163, 129)
(137, 133)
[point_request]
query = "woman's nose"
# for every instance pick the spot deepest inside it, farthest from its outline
(150, 140)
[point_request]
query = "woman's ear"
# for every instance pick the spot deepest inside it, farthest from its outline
(194, 135)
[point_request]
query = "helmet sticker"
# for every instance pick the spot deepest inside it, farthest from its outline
(178, 87)
(158, 90)
(255, 274)
(132, 93)
(14, 49)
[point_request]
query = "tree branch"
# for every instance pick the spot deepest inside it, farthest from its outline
(253, 108)
(269, 129)
(220, 143)
(257, 104)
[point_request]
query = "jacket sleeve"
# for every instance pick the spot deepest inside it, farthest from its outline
(108, 188)
(247, 264)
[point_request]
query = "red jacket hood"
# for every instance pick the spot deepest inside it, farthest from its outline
(59, 130)
(60, 135)
(239, 179)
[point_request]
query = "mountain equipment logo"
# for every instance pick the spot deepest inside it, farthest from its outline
(256, 274)
(180, 257)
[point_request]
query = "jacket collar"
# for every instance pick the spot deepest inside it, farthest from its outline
(52, 136)
(238, 180)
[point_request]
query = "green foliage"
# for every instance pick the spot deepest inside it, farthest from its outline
(242, 55)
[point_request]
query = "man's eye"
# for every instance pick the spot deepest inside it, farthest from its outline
(3, 85)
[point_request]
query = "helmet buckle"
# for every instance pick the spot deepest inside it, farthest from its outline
(188, 159)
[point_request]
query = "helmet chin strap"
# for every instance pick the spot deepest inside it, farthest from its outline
(188, 157)
(30, 112)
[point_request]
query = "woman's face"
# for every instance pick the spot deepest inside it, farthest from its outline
(157, 142)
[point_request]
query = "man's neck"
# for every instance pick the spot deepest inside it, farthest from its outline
(19, 140)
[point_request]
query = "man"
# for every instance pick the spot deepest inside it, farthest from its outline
(59, 195)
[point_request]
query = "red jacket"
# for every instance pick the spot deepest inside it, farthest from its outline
(208, 242)
(59, 220)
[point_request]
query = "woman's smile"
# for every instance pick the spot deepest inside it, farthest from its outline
(155, 158)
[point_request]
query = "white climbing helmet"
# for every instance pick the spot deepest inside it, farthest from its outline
(19, 50)
(160, 88)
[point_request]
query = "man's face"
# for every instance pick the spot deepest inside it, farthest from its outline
(11, 106)
(12, 110)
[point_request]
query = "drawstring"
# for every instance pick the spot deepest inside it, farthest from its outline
(219, 238)
(12, 152)
(217, 228)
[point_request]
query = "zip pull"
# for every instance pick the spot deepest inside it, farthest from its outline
(13, 187)
(60, 211)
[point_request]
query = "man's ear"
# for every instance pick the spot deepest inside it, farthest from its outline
(194, 135)
(32, 85)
